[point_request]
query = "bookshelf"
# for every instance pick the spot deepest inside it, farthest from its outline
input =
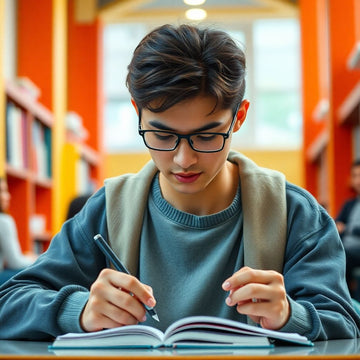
(63, 58)
(331, 97)
(83, 154)
(28, 129)
(87, 180)
(81, 176)
(80, 162)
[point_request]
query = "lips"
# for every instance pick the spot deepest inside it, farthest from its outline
(187, 178)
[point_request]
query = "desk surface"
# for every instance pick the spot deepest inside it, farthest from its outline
(335, 349)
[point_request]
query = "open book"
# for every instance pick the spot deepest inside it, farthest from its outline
(190, 332)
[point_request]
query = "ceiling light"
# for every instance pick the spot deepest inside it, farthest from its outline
(194, 2)
(195, 14)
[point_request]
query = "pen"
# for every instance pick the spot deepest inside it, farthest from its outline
(109, 253)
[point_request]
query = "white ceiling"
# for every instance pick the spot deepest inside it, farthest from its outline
(173, 10)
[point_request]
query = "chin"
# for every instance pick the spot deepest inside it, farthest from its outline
(186, 189)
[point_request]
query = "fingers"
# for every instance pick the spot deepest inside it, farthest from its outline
(115, 299)
(130, 284)
(259, 294)
(100, 314)
(248, 283)
(248, 275)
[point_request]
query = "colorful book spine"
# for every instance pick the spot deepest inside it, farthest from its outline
(16, 154)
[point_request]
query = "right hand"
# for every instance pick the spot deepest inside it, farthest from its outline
(115, 299)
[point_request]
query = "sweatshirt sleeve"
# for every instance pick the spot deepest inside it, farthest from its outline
(314, 273)
(46, 299)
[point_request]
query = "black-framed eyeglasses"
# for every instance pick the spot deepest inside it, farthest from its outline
(205, 142)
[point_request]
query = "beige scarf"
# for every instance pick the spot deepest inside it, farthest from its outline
(263, 203)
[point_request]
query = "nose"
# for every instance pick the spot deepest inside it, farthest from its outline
(184, 155)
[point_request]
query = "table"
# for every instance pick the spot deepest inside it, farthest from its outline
(334, 349)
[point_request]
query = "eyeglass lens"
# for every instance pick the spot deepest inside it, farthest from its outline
(167, 141)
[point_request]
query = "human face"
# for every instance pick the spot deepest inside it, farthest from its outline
(4, 196)
(168, 140)
(355, 179)
(185, 171)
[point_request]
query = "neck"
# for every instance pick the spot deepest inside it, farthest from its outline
(217, 196)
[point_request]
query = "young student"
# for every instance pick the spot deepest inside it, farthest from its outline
(202, 229)
(12, 260)
(348, 225)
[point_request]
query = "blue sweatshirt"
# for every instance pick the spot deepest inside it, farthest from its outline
(47, 298)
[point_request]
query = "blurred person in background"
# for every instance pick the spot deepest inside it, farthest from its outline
(348, 225)
(76, 205)
(12, 260)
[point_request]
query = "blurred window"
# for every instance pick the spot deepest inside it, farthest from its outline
(272, 48)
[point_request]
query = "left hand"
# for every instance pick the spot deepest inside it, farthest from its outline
(271, 309)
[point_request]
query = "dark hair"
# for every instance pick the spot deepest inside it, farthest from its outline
(355, 163)
(76, 205)
(172, 64)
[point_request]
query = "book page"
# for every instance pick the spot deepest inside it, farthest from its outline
(195, 331)
(230, 326)
(131, 335)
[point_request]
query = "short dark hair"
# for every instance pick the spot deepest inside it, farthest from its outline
(172, 64)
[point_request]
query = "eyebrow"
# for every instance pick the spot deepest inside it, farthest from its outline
(161, 126)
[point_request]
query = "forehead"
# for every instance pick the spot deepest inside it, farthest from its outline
(203, 108)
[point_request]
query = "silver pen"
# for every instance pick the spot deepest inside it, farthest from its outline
(111, 256)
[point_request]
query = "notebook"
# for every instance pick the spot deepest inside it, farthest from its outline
(190, 332)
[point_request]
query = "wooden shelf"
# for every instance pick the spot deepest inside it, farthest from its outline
(321, 110)
(315, 150)
(90, 155)
(16, 172)
(354, 57)
(23, 99)
(348, 111)
(45, 183)
(28, 163)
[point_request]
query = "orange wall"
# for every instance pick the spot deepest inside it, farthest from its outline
(288, 162)
(34, 40)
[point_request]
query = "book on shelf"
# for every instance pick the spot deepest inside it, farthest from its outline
(83, 177)
(27, 86)
(190, 332)
(16, 141)
(41, 156)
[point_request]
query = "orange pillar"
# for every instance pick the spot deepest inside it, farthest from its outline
(85, 83)
(34, 41)
(342, 40)
(310, 85)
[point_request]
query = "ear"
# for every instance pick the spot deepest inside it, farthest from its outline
(241, 115)
(135, 106)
